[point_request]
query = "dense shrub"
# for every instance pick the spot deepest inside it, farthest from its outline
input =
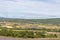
(24, 34)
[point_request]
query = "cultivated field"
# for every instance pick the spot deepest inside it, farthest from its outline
(23, 29)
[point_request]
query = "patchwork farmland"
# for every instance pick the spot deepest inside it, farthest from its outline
(24, 29)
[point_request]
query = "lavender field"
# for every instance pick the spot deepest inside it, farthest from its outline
(9, 38)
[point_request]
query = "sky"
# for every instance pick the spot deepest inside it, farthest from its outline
(30, 9)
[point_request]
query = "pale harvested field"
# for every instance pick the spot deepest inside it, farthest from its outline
(9, 38)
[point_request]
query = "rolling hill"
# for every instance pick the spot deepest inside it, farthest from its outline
(55, 21)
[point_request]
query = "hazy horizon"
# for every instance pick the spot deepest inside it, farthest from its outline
(30, 9)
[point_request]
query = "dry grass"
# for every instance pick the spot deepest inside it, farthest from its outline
(42, 39)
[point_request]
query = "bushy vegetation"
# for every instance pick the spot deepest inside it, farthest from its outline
(25, 34)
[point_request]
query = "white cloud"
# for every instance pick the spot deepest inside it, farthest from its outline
(30, 9)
